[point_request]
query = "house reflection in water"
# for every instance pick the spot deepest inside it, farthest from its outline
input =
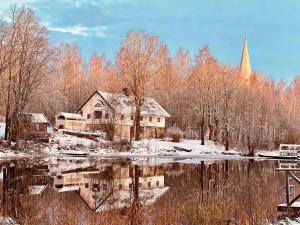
(111, 187)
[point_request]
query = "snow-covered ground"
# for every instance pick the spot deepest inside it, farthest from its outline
(61, 143)
(288, 221)
(160, 147)
(2, 129)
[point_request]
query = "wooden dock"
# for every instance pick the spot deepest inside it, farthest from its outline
(291, 180)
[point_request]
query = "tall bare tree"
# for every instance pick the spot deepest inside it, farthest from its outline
(137, 61)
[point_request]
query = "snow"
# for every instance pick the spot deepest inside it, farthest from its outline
(36, 189)
(288, 221)
(75, 116)
(67, 141)
(2, 129)
(125, 104)
(159, 147)
(38, 118)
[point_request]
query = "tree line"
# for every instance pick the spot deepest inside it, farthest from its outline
(205, 98)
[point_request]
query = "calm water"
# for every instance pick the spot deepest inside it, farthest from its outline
(124, 191)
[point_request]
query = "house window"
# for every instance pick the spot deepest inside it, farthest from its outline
(141, 118)
(157, 183)
(106, 115)
(120, 186)
(150, 119)
(130, 185)
(132, 117)
(98, 105)
(86, 185)
(97, 114)
(142, 129)
(149, 184)
(158, 119)
(89, 116)
(122, 117)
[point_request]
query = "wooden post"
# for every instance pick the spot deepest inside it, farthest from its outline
(287, 188)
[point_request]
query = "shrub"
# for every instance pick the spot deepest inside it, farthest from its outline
(175, 134)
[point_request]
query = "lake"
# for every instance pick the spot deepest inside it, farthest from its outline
(140, 191)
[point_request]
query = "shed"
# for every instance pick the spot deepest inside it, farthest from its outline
(70, 121)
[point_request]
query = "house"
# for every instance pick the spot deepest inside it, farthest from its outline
(33, 126)
(70, 121)
(111, 186)
(106, 111)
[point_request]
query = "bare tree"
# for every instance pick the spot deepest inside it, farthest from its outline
(138, 63)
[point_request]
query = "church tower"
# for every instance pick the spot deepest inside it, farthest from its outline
(245, 67)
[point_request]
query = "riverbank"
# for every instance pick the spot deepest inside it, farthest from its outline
(61, 143)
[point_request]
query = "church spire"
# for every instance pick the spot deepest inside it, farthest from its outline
(245, 67)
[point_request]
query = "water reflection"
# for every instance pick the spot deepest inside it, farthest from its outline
(121, 191)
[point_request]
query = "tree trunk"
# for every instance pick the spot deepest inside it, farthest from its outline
(227, 140)
(202, 130)
(210, 131)
(137, 121)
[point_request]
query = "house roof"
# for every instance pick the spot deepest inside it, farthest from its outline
(36, 189)
(75, 116)
(123, 198)
(125, 104)
(38, 118)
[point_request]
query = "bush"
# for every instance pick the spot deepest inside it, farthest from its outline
(175, 134)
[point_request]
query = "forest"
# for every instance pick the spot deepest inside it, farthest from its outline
(206, 99)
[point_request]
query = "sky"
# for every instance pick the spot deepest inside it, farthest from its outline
(272, 26)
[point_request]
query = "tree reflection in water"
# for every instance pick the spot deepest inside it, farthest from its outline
(120, 192)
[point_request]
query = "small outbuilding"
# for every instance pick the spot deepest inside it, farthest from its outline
(70, 121)
(33, 127)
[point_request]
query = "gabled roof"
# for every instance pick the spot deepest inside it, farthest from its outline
(125, 104)
(123, 198)
(38, 118)
(75, 116)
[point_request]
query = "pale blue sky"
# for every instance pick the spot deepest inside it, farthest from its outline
(273, 27)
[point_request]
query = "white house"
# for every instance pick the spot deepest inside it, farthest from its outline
(104, 109)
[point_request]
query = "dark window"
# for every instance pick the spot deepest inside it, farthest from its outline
(106, 115)
(98, 105)
(149, 184)
(130, 185)
(86, 185)
(122, 117)
(141, 118)
(89, 116)
(150, 119)
(158, 119)
(157, 183)
(120, 186)
(96, 187)
(97, 114)
(132, 117)
(142, 129)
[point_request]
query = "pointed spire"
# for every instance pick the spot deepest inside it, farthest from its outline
(245, 67)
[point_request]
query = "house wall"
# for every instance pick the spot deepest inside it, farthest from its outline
(153, 125)
(76, 125)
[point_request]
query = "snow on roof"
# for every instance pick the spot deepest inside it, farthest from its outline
(36, 189)
(125, 104)
(75, 116)
(38, 118)
(124, 198)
